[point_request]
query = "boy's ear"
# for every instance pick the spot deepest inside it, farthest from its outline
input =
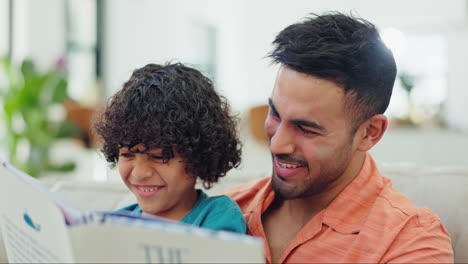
(370, 132)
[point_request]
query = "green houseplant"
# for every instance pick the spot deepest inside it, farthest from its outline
(28, 100)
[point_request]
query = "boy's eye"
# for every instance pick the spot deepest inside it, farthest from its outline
(157, 157)
(126, 155)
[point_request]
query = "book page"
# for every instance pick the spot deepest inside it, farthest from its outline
(163, 242)
(33, 227)
(71, 214)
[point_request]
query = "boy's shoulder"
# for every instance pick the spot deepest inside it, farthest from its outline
(218, 212)
(217, 203)
(132, 209)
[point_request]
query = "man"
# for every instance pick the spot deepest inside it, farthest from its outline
(326, 200)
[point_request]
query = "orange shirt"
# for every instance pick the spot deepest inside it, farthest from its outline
(368, 222)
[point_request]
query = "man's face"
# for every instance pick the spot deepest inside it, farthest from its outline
(310, 137)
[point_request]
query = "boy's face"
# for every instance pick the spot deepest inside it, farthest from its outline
(162, 189)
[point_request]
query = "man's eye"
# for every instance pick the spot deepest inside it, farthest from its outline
(307, 132)
(126, 155)
(273, 112)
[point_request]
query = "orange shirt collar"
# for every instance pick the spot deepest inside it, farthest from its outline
(349, 209)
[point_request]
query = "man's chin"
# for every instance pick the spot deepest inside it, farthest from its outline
(288, 189)
(282, 188)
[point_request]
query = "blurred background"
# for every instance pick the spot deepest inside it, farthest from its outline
(62, 59)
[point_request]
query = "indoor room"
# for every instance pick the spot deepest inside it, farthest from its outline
(61, 60)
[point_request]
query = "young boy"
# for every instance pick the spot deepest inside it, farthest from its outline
(166, 128)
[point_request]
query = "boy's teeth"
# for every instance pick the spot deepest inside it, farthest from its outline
(149, 189)
(289, 166)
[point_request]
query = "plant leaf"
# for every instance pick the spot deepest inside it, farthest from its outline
(60, 92)
(66, 167)
(67, 129)
(28, 68)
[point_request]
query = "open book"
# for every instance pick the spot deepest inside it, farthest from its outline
(38, 226)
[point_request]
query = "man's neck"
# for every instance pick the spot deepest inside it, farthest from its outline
(285, 218)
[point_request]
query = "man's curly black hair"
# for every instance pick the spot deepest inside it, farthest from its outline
(172, 107)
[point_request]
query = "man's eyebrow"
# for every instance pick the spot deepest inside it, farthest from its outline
(272, 106)
(299, 122)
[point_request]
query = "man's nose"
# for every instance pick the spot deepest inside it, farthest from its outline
(282, 141)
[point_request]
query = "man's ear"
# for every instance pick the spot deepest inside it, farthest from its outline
(371, 131)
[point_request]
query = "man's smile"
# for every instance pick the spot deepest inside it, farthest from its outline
(289, 165)
(287, 169)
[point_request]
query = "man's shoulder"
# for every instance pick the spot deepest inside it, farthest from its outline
(246, 189)
(395, 205)
(416, 233)
(245, 193)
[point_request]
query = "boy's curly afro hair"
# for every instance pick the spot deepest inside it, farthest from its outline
(172, 107)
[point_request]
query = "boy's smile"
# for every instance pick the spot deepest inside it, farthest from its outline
(147, 191)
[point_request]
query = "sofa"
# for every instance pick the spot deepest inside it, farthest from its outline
(444, 190)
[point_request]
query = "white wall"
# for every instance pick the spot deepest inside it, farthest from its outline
(155, 31)
(262, 19)
(39, 31)
(457, 100)
(3, 27)
(140, 32)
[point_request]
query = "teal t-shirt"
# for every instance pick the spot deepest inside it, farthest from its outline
(215, 212)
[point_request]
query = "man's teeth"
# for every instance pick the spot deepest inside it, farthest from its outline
(289, 166)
